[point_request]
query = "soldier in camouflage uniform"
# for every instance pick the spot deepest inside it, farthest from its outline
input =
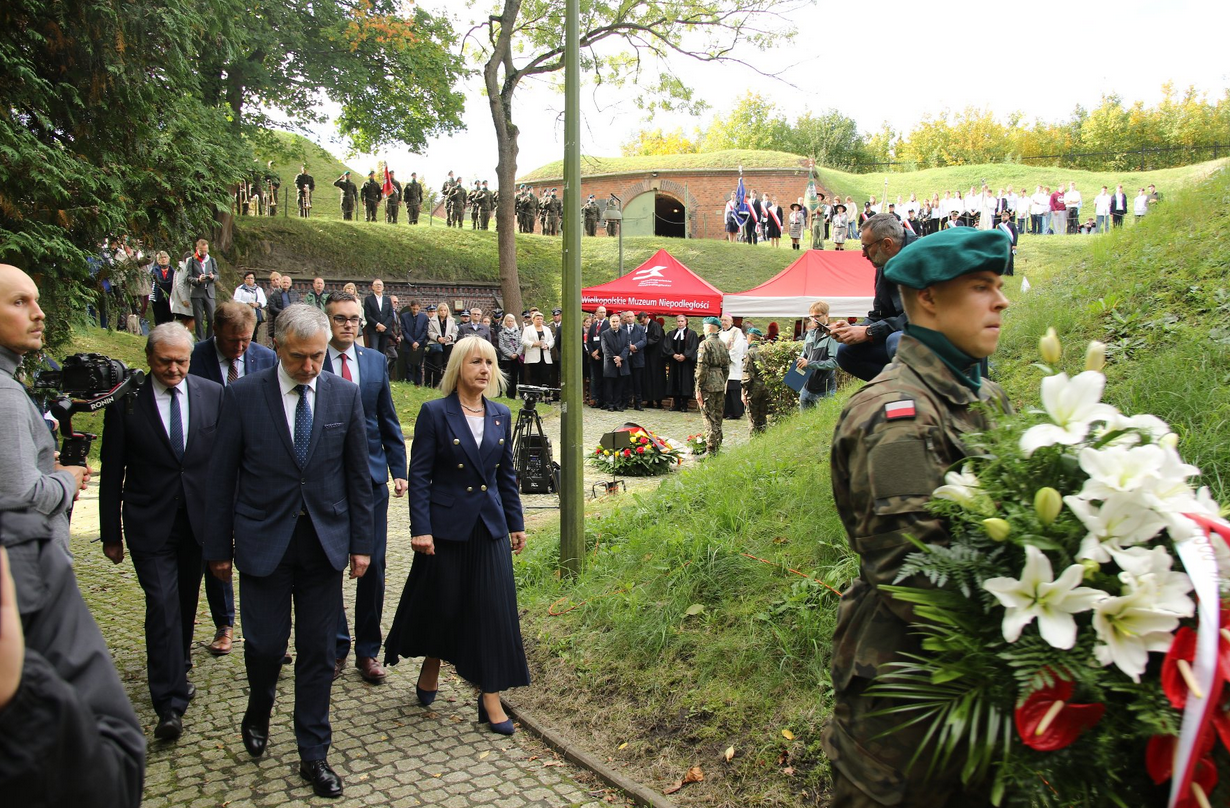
(755, 384)
(486, 204)
(350, 194)
(458, 198)
(590, 212)
(555, 212)
(371, 193)
(712, 371)
(895, 440)
(472, 203)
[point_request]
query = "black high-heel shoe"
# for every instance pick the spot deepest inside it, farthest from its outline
(505, 727)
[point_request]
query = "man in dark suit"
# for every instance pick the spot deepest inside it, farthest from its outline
(291, 454)
(202, 274)
(653, 380)
(155, 463)
(386, 454)
(636, 356)
(475, 326)
(378, 309)
(556, 324)
(1118, 206)
(227, 356)
(593, 348)
(615, 369)
(279, 299)
(413, 342)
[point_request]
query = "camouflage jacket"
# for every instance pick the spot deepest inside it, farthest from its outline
(712, 365)
(755, 382)
(895, 440)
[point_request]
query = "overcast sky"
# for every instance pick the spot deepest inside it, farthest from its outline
(890, 61)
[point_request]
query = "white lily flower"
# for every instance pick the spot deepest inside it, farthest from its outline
(1038, 595)
(1121, 521)
(1150, 571)
(963, 488)
(1136, 425)
(1119, 469)
(1073, 405)
(1130, 627)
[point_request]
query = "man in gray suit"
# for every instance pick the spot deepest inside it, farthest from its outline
(202, 275)
(292, 456)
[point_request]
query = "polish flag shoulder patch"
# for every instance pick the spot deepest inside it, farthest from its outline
(895, 410)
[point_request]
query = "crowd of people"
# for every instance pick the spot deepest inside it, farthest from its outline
(1061, 210)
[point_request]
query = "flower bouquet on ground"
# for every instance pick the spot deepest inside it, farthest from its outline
(1073, 650)
(696, 445)
(648, 456)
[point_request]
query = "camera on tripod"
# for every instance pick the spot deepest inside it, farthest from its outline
(537, 472)
(531, 395)
(86, 382)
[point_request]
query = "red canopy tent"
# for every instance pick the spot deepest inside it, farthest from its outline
(843, 279)
(661, 285)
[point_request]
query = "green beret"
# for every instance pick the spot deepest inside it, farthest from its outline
(755, 332)
(949, 254)
(712, 321)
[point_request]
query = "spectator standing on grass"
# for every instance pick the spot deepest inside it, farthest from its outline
(1118, 206)
(1073, 202)
(796, 224)
(1101, 210)
(1039, 205)
(1154, 196)
(1140, 205)
(510, 351)
(1059, 213)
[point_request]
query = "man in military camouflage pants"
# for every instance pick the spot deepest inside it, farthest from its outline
(895, 440)
(755, 384)
(712, 370)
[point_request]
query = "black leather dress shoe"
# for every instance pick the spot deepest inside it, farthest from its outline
(255, 730)
(191, 691)
(170, 726)
(324, 780)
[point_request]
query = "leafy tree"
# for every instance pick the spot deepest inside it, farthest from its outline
(620, 42)
(831, 139)
(754, 123)
(648, 142)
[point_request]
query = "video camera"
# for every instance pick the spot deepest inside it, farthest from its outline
(86, 383)
(531, 395)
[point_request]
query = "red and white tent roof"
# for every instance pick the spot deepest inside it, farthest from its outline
(843, 279)
(661, 285)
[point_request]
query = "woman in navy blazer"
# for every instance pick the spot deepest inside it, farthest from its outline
(460, 600)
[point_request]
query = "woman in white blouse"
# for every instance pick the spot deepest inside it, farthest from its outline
(538, 342)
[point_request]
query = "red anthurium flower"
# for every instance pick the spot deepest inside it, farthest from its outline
(1047, 709)
(1159, 758)
(1176, 667)
(640, 450)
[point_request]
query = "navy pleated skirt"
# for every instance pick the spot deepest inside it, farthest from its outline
(461, 605)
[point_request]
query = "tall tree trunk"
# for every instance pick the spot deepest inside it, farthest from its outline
(499, 95)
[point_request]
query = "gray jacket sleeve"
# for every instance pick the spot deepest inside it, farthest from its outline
(22, 485)
(69, 736)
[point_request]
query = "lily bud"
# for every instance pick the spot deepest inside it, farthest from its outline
(1050, 347)
(1095, 356)
(998, 529)
(1170, 440)
(1092, 568)
(1047, 504)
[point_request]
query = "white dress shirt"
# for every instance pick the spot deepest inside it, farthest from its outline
(290, 397)
(352, 362)
(162, 397)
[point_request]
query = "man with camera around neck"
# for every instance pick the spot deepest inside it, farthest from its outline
(63, 709)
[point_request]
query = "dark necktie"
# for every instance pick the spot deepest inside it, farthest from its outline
(345, 368)
(303, 425)
(176, 429)
(232, 373)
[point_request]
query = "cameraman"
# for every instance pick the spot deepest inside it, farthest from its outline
(68, 734)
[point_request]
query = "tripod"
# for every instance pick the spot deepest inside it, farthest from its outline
(536, 469)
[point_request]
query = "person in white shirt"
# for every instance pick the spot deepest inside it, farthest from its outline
(986, 213)
(1073, 201)
(254, 296)
(1101, 210)
(1140, 205)
(736, 346)
(1039, 208)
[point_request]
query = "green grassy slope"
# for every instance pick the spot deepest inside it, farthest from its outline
(289, 151)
